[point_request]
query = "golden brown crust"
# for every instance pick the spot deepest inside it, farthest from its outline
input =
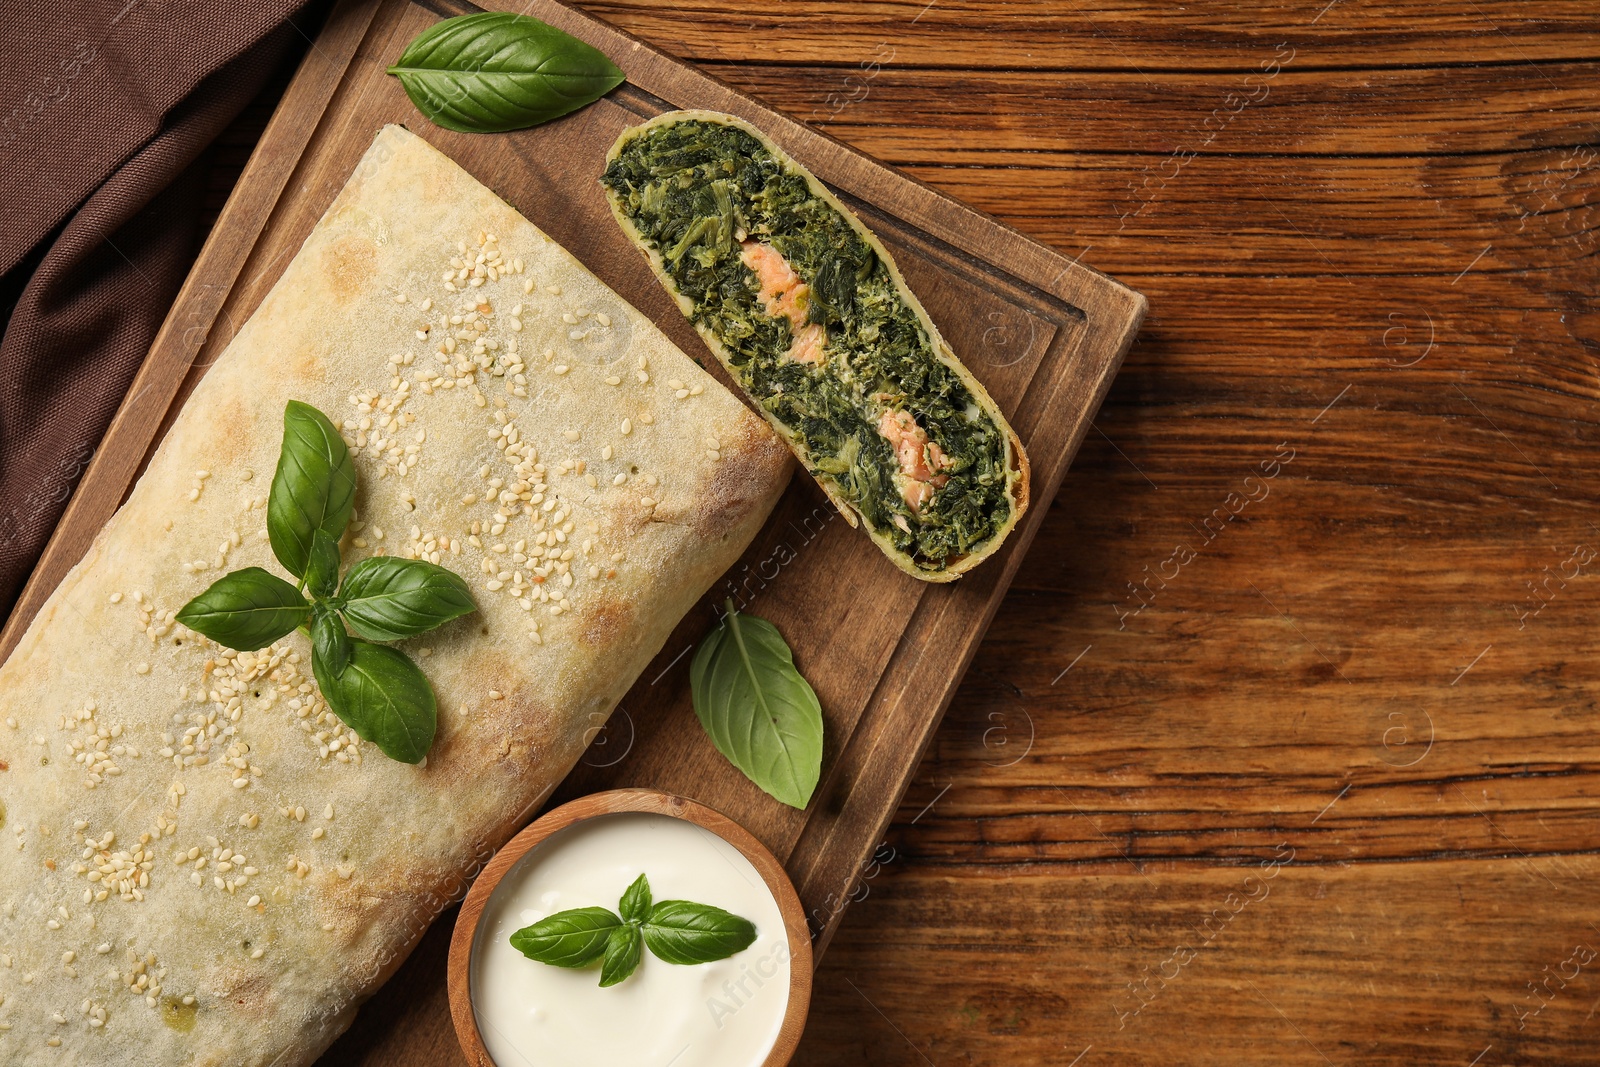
(276, 979)
(1016, 456)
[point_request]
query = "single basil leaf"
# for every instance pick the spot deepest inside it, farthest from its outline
(496, 71)
(330, 645)
(383, 697)
(623, 949)
(322, 567)
(574, 938)
(635, 905)
(313, 489)
(386, 598)
(757, 709)
(681, 931)
(246, 610)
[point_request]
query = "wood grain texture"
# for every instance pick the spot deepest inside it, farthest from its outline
(1378, 666)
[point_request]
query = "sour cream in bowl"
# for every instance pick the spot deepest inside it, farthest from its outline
(714, 971)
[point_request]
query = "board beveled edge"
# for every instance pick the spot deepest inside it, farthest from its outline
(183, 335)
(821, 863)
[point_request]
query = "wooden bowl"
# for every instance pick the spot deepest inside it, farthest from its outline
(609, 803)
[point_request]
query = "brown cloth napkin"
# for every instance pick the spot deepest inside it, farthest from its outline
(102, 176)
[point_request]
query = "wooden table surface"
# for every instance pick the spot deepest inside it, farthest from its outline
(1283, 748)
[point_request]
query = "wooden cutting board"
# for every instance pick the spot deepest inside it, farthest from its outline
(885, 652)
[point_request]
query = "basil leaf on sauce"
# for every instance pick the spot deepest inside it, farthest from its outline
(330, 645)
(624, 948)
(680, 931)
(635, 903)
(574, 938)
(383, 697)
(246, 610)
(386, 598)
(495, 71)
(757, 708)
(676, 931)
(314, 487)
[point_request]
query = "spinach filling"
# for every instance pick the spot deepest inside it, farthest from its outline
(695, 190)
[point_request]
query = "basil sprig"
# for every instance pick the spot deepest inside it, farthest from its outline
(495, 71)
(376, 690)
(757, 708)
(675, 931)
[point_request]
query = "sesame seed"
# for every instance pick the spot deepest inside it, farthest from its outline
(603, 319)
(141, 668)
(613, 380)
(627, 427)
(682, 394)
(327, 812)
(562, 369)
(116, 598)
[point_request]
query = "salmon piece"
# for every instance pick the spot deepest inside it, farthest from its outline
(920, 459)
(786, 297)
(807, 346)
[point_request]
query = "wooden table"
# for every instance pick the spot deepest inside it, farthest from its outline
(1283, 749)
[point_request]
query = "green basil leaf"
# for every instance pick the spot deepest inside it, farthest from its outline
(623, 950)
(680, 931)
(322, 566)
(635, 905)
(383, 697)
(495, 71)
(330, 645)
(246, 610)
(386, 598)
(756, 707)
(313, 489)
(574, 938)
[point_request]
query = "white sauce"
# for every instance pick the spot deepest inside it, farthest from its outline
(722, 1014)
